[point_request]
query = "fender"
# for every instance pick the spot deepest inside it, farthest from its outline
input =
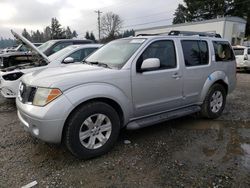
(212, 78)
(82, 93)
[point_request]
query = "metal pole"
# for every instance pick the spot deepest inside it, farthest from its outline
(99, 23)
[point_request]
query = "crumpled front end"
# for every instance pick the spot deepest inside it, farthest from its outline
(9, 84)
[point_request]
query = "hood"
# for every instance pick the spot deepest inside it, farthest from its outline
(68, 76)
(29, 44)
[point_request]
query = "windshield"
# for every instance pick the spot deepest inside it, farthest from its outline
(46, 45)
(116, 53)
(239, 51)
(62, 53)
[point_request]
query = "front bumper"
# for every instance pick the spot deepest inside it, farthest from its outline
(45, 123)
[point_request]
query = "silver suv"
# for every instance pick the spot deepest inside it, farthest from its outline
(133, 83)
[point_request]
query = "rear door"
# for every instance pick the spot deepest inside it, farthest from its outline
(197, 68)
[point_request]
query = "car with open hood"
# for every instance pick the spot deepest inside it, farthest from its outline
(14, 58)
(10, 77)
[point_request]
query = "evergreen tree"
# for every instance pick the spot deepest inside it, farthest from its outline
(193, 10)
(26, 34)
(92, 36)
(87, 36)
(68, 33)
(56, 29)
(128, 33)
(74, 34)
(180, 15)
(47, 34)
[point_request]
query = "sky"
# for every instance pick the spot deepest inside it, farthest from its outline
(80, 15)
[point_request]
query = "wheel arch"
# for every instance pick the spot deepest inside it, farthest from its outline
(117, 107)
(217, 77)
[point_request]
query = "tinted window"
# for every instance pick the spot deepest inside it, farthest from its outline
(195, 52)
(87, 51)
(223, 51)
(81, 54)
(61, 46)
(23, 49)
(163, 50)
(76, 55)
(239, 51)
(248, 52)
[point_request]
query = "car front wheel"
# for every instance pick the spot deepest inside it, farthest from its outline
(92, 130)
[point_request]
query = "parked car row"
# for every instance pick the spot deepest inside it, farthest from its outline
(63, 54)
(132, 82)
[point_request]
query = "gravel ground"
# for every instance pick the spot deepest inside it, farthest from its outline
(186, 152)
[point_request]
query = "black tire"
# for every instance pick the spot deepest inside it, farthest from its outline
(206, 110)
(71, 136)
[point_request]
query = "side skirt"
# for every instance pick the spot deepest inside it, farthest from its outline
(151, 120)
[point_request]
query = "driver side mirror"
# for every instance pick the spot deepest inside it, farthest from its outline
(68, 60)
(150, 64)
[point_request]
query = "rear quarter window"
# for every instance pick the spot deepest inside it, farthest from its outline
(223, 51)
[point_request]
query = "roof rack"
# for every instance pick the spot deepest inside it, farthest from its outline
(192, 33)
(141, 35)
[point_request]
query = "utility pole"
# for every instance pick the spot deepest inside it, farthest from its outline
(99, 23)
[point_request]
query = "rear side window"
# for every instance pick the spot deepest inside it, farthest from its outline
(61, 46)
(195, 52)
(223, 51)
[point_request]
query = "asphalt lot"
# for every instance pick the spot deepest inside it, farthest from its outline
(187, 152)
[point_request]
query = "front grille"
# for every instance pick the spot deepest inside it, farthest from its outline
(26, 93)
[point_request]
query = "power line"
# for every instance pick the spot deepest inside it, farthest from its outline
(148, 23)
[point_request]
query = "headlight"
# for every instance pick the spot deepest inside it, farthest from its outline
(43, 96)
(1, 61)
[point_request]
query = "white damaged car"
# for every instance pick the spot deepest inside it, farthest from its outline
(11, 76)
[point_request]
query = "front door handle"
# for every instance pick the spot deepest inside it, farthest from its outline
(176, 75)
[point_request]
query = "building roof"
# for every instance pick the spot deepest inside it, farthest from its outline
(230, 19)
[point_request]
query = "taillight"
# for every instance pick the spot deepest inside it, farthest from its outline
(245, 57)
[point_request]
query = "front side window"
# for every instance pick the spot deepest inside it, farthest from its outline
(163, 50)
(77, 56)
(223, 51)
(87, 51)
(195, 52)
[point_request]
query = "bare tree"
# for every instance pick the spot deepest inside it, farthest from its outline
(111, 25)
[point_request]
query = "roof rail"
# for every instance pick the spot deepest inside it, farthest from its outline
(192, 33)
(139, 35)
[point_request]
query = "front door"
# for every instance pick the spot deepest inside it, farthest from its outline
(157, 90)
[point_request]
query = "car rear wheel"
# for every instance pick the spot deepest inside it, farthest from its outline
(214, 102)
(92, 130)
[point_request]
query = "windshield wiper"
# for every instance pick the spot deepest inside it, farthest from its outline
(97, 63)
